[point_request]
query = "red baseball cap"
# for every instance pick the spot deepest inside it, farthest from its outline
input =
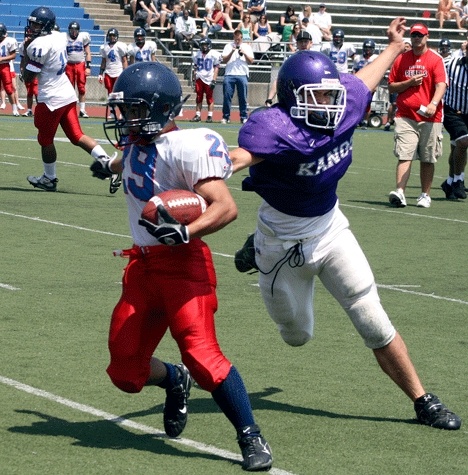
(419, 28)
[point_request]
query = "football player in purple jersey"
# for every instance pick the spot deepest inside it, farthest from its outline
(295, 166)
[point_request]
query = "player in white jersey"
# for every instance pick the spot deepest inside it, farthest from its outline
(205, 72)
(141, 49)
(79, 62)
(8, 50)
(114, 59)
(168, 257)
(46, 58)
(339, 51)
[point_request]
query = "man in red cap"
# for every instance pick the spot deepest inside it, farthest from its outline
(419, 78)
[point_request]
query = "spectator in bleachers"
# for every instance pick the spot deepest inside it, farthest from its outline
(446, 11)
(113, 59)
(287, 18)
(191, 6)
(339, 51)
(166, 11)
(214, 21)
(185, 29)
(463, 5)
(146, 14)
(305, 13)
(176, 13)
(8, 50)
(323, 20)
(292, 46)
(246, 28)
(237, 56)
(78, 62)
(315, 32)
(256, 8)
(234, 8)
(262, 27)
(141, 49)
(205, 72)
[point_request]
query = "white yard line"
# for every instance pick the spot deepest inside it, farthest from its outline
(210, 449)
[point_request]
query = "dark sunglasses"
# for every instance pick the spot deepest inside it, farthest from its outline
(417, 35)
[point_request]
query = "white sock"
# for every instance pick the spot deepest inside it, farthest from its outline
(449, 180)
(15, 108)
(457, 178)
(82, 106)
(50, 170)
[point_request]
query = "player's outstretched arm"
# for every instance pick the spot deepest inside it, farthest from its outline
(372, 74)
(241, 159)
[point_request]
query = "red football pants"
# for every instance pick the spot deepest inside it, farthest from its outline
(167, 288)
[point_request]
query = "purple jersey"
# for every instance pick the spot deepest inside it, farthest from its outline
(301, 166)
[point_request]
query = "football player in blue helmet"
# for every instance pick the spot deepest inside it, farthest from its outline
(74, 30)
(205, 45)
(41, 21)
(338, 38)
(368, 48)
(3, 31)
(146, 96)
(445, 47)
(139, 35)
(309, 88)
(295, 165)
(167, 256)
(112, 35)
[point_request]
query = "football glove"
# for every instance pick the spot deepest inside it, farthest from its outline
(169, 231)
(213, 84)
(101, 167)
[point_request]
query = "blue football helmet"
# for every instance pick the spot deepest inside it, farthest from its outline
(338, 37)
(44, 17)
(139, 35)
(74, 30)
(112, 35)
(300, 76)
(445, 46)
(205, 45)
(146, 96)
(3, 31)
(368, 48)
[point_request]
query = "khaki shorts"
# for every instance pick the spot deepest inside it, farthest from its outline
(417, 140)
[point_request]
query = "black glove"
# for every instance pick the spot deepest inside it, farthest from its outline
(169, 231)
(101, 167)
(268, 102)
(213, 84)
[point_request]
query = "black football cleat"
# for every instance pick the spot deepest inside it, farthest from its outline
(431, 412)
(175, 408)
(244, 258)
(256, 452)
(115, 182)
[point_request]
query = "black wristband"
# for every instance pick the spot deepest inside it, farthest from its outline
(88, 64)
(101, 71)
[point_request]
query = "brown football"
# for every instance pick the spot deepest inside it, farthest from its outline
(183, 205)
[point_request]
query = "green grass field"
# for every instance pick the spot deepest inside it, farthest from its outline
(326, 408)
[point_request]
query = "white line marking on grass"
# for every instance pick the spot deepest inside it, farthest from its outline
(127, 422)
(406, 213)
(432, 296)
(8, 287)
(396, 288)
(9, 163)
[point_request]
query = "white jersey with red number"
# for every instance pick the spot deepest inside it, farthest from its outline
(76, 47)
(48, 58)
(205, 65)
(8, 46)
(113, 54)
(178, 159)
(144, 53)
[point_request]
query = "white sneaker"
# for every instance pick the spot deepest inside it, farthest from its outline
(16, 114)
(424, 201)
(225, 121)
(397, 199)
(20, 107)
(2, 105)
